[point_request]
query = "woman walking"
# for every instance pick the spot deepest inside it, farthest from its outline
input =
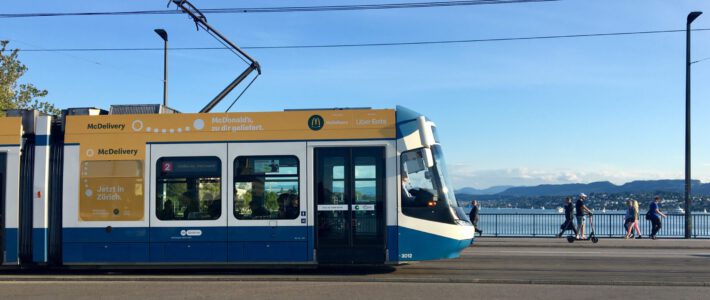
(634, 213)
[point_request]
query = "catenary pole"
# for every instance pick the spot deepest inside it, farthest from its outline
(688, 207)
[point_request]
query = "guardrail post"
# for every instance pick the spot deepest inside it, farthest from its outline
(610, 229)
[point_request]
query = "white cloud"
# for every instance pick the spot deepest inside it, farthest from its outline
(468, 176)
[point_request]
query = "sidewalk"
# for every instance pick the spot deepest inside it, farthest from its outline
(603, 243)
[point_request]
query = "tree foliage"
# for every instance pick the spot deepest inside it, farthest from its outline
(14, 95)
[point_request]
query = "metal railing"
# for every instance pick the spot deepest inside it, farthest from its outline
(605, 225)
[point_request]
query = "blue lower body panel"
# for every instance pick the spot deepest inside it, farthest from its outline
(103, 245)
(269, 244)
(105, 252)
(194, 252)
(39, 245)
(226, 245)
(187, 245)
(11, 246)
(393, 243)
(416, 245)
(268, 252)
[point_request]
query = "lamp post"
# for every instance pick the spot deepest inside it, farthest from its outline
(164, 35)
(688, 216)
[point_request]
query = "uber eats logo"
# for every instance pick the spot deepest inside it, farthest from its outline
(315, 122)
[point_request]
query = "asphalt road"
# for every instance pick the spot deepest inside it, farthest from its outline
(493, 269)
(332, 290)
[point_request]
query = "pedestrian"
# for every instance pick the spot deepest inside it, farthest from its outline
(633, 213)
(581, 210)
(629, 216)
(654, 215)
(569, 222)
(473, 215)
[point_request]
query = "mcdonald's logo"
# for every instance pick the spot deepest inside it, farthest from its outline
(315, 122)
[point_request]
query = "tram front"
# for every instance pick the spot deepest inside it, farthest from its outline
(431, 225)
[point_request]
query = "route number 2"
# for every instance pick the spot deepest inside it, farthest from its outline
(167, 166)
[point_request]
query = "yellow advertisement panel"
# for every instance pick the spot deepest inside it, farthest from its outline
(111, 190)
(263, 126)
(10, 130)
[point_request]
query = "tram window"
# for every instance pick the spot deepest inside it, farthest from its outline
(365, 180)
(188, 188)
(266, 188)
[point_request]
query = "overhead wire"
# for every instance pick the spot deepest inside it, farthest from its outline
(286, 9)
(413, 43)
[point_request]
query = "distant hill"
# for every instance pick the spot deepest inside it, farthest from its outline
(489, 191)
(560, 189)
(639, 186)
(703, 189)
(676, 186)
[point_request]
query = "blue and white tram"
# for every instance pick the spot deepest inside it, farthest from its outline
(306, 187)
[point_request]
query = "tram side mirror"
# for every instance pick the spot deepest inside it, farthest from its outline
(413, 162)
(427, 175)
(419, 160)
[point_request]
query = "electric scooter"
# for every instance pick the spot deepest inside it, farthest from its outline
(592, 237)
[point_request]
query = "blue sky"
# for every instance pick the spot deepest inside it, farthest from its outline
(510, 113)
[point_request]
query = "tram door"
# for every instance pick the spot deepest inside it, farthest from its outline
(3, 168)
(350, 202)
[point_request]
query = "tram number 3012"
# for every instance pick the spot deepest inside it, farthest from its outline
(406, 256)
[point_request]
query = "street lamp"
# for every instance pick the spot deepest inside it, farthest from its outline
(688, 217)
(164, 35)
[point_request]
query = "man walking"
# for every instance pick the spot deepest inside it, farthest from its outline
(654, 214)
(473, 215)
(581, 210)
(569, 213)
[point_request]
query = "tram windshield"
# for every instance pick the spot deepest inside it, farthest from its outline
(427, 192)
